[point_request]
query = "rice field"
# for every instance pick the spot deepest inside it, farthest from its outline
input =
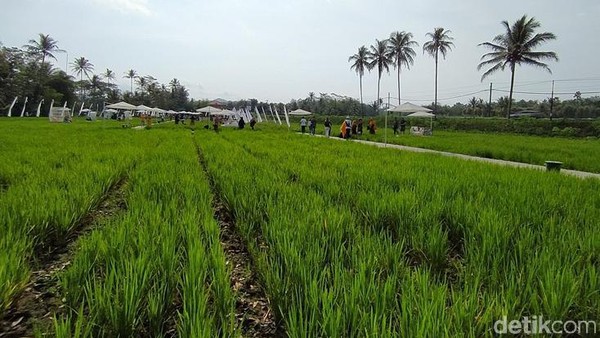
(345, 240)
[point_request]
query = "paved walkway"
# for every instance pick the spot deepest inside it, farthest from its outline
(576, 173)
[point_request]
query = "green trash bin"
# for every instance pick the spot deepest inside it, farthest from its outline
(553, 165)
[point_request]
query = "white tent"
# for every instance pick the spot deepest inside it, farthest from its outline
(141, 107)
(408, 107)
(424, 114)
(121, 105)
(208, 110)
(299, 112)
(224, 112)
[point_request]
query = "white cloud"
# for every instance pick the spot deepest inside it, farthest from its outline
(127, 6)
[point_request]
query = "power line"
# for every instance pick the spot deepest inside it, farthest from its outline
(538, 93)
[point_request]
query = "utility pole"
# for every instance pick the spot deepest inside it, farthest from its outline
(490, 102)
(552, 100)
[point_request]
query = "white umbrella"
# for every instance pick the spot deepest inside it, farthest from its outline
(299, 112)
(121, 105)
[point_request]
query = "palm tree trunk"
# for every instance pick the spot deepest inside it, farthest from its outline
(377, 102)
(512, 82)
(436, 77)
(399, 102)
(131, 81)
(361, 98)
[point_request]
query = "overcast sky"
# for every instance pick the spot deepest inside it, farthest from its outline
(278, 50)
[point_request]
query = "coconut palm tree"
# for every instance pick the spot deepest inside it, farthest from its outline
(359, 64)
(402, 53)
(131, 74)
(44, 47)
(109, 75)
(514, 47)
(440, 43)
(82, 66)
(379, 57)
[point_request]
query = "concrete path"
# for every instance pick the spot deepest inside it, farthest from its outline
(576, 173)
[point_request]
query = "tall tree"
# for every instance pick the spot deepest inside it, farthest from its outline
(440, 43)
(359, 64)
(380, 58)
(400, 49)
(82, 66)
(514, 47)
(44, 47)
(109, 75)
(131, 74)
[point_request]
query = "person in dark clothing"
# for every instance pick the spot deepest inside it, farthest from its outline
(252, 123)
(241, 123)
(402, 125)
(396, 126)
(216, 123)
(359, 126)
(176, 118)
(312, 125)
(354, 127)
(327, 125)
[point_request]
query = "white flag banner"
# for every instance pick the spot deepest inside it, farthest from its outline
(73, 109)
(65, 106)
(24, 105)
(11, 106)
(248, 114)
(271, 112)
(51, 106)
(259, 118)
(37, 114)
(277, 114)
(265, 114)
(287, 119)
(81, 108)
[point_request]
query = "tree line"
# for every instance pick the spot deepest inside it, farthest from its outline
(27, 72)
(515, 46)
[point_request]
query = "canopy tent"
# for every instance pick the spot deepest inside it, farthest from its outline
(208, 110)
(299, 112)
(424, 114)
(421, 114)
(158, 110)
(224, 112)
(141, 107)
(121, 105)
(408, 108)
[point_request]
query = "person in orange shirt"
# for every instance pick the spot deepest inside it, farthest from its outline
(372, 126)
(343, 129)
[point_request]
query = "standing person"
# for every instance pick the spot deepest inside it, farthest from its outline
(216, 124)
(372, 126)
(359, 127)
(312, 127)
(303, 125)
(354, 127)
(402, 125)
(348, 126)
(252, 123)
(327, 125)
(396, 126)
(343, 129)
(241, 123)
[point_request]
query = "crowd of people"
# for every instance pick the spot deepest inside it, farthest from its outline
(349, 127)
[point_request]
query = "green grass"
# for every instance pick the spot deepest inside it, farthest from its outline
(347, 239)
